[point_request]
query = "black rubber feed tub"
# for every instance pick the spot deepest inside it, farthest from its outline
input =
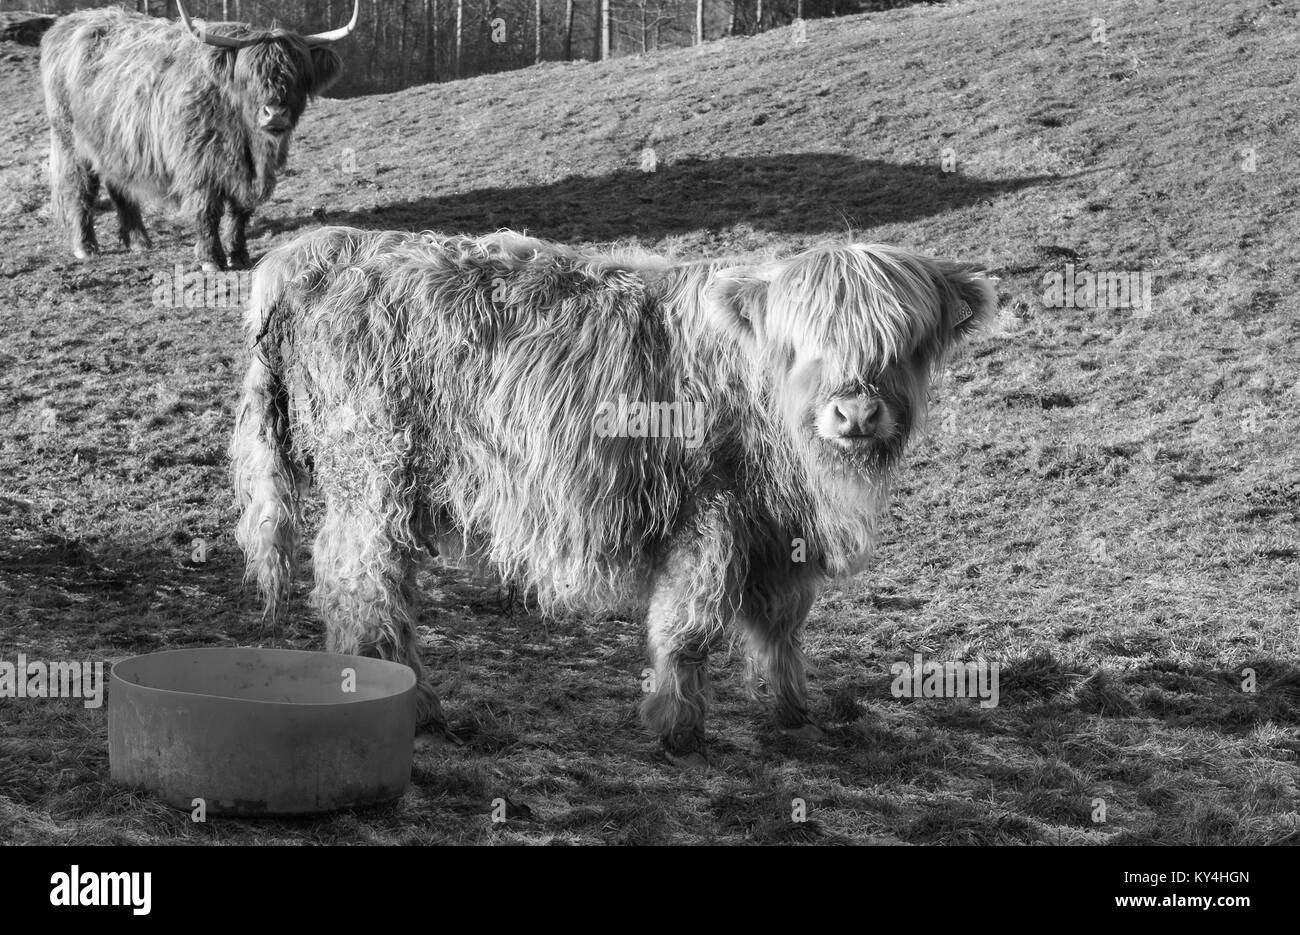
(262, 731)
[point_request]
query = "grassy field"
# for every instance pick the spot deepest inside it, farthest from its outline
(1106, 503)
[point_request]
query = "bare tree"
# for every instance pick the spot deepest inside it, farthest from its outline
(375, 23)
(699, 21)
(431, 38)
(568, 30)
(651, 16)
(434, 39)
(404, 71)
(537, 35)
(460, 20)
(604, 29)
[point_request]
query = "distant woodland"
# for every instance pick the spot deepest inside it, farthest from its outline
(399, 43)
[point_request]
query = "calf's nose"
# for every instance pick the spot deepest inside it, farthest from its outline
(856, 415)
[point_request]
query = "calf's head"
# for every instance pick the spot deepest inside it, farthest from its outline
(845, 340)
(273, 72)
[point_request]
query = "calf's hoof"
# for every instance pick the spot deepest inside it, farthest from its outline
(436, 738)
(686, 751)
(693, 761)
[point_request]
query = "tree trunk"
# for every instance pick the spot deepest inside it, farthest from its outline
(430, 38)
(568, 30)
(537, 36)
(460, 20)
(731, 19)
(225, 10)
(699, 21)
(374, 32)
(758, 17)
(402, 67)
(604, 30)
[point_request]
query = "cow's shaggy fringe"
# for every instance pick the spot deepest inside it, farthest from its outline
(441, 392)
(157, 115)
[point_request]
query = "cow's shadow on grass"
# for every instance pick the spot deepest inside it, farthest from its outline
(793, 194)
(121, 598)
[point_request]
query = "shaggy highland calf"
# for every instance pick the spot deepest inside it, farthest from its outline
(453, 396)
(200, 117)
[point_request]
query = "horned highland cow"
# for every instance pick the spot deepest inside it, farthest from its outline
(199, 116)
(451, 396)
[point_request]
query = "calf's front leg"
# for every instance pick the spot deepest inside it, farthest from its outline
(772, 618)
(689, 609)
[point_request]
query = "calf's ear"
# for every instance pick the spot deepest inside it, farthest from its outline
(736, 300)
(326, 67)
(977, 297)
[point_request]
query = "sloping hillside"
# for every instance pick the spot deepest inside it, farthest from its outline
(1106, 505)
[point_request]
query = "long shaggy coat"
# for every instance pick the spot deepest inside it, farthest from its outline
(158, 116)
(443, 392)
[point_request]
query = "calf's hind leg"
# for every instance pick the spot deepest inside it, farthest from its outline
(74, 186)
(365, 560)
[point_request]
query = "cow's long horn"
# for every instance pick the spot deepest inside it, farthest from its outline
(334, 35)
(204, 35)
